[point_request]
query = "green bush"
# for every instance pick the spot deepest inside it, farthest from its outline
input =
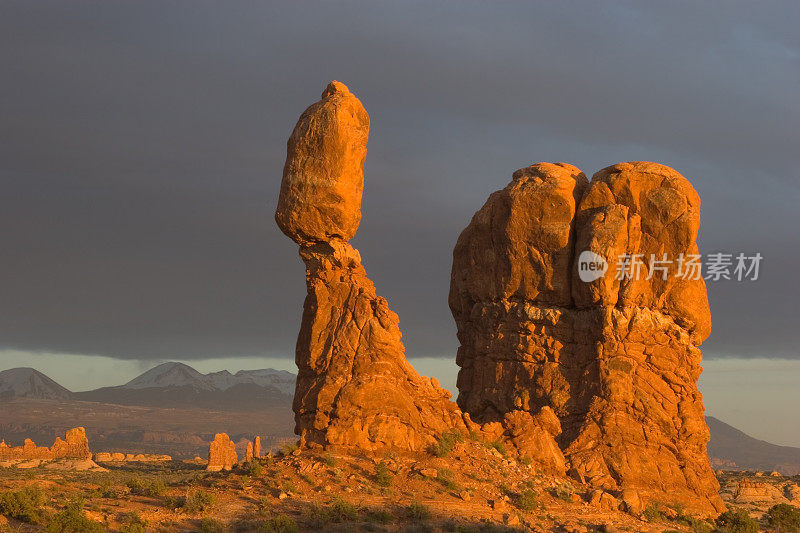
(279, 524)
(288, 449)
(153, 488)
(198, 502)
(73, 520)
(737, 521)
(699, 526)
(26, 505)
(338, 511)
(132, 523)
(381, 516)
(499, 446)
(447, 441)
(253, 468)
(383, 476)
(784, 518)
(446, 478)
(329, 460)
(418, 512)
(652, 513)
(563, 491)
(342, 511)
(209, 525)
(527, 500)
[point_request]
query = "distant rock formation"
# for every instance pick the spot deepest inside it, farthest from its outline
(257, 447)
(221, 453)
(118, 457)
(74, 446)
(71, 453)
(355, 387)
(616, 360)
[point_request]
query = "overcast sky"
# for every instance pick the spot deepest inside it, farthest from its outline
(141, 149)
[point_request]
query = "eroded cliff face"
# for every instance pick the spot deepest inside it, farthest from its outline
(616, 360)
(355, 388)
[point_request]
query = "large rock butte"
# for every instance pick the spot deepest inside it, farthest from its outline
(355, 388)
(221, 453)
(617, 361)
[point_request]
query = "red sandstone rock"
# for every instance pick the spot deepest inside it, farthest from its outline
(323, 177)
(355, 387)
(257, 447)
(76, 446)
(221, 453)
(248, 454)
(616, 361)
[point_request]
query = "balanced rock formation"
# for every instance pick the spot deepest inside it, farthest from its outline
(221, 453)
(544, 322)
(355, 387)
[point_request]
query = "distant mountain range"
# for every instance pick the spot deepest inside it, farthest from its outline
(169, 385)
(731, 449)
(179, 386)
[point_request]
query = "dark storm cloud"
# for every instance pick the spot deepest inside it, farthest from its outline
(141, 146)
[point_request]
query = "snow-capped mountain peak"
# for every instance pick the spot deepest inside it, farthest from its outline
(30, 383)
(180, 375)
(170, 375)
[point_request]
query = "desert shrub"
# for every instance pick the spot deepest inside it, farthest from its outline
(135, 485)
(342, 511)
(499, 446)
(699, 526)
(279, 524)
(318, 516)
(73, 520)
(417, 512)
(446, 478)
(108, 490)
(153, 488)
(527, 500)
(784, 518)
(253, 468)
(652, 513)
(562, 491)
(329, 460)
(446, 442)
(381, 516)
(737, 521)
(132, 523)
(26, 505)
(209, 525)
(198, 502)
(288, 449)
(383, 476)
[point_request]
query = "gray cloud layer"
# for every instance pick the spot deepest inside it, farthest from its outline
(141, 146)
